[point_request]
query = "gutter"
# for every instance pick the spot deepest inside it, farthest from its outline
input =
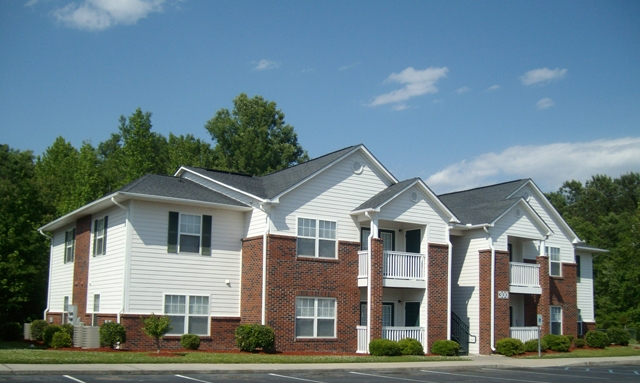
(127, 258)
(46, 310)
(493, 288)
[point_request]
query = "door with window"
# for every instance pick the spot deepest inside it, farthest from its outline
(412, 314)
(388, 236)
(387, 315)
(412, 238)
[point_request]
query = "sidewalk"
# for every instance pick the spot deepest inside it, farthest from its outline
(149, 369)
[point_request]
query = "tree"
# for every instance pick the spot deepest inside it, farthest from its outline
(254, 138)
(55, 172)
(190, 151)
(23, 252)
(156, 327)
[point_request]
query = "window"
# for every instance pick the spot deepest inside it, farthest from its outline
(363, 313)
(315, 317)
(100, 236)
(556, 320)
(189, 233)
(96, 303)
(388, 236)
(69, 245)
(580, 331)
(316, 238)
(387, 314)
(187, 319)
(578, 268)
(554, 261)
(65, 305)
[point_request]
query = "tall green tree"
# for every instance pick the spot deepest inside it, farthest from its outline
(253, 138)
(23, 252)
(190, 151)
(55, 171)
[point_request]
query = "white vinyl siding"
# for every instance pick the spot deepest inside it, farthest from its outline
(512, 225)
(61, 283)
(106, 272)
(585, 288)
(155, 272)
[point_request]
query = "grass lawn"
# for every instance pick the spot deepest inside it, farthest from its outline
(21, 353)
(630, 350)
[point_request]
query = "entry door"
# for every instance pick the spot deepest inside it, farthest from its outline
(387, 314)
(412, 314)
(412, 238)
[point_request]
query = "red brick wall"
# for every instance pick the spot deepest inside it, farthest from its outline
(377, 250)
(437, 293)
(81, 268)
(289, 276)
(502, 270)
(251, 290)
(484, 337)
(557, 291)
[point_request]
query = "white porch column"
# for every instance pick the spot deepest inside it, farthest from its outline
(374, 234)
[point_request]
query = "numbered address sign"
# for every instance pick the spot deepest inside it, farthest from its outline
(503, 295)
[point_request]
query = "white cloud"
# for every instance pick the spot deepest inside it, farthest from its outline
(345, 67)
(400, 107)
(266, 64)
(542, 76)
(463, 89)
(493, 88)
(548, 165)
(417, 83)
(545, 103)
(97, 15)
(30, 3)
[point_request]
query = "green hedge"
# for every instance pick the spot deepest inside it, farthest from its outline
(190, 341)
(61, 339)
(250, 337)
(509, 346)
(37, 329)
(579, 343)
(112, 333)
(410, 346)
(445, 348)
(618, 336)
(558, 343)
(384, 347)
(532, 345)
(597, 339)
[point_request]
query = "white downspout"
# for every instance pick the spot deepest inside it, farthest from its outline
(265, 209)
(127, 256)
(374, 228)
(449, 283)
(46, 310)
(493, 288)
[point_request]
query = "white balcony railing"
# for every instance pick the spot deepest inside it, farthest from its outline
(395, 265)
(524, 333)
(393, 333)
(525, 274)
(363, 342)
(363, 264)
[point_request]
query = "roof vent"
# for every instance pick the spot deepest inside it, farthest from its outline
(413, 196)
(518, 213)
(357, 167)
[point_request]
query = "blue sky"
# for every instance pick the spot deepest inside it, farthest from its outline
(459, 93)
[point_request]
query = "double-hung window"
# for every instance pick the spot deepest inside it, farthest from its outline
(69, 245)
(191, 318)
(556, 320)
(554, 261)
(578, 271)
(189, 233)
(316, 238)
(100, 236)
(315, 317)
(96, 303)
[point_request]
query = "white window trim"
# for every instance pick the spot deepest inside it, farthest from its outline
(192, 234)
(315, 317)
(317, 237)
(186, 312)
(94, 303)
(99, 250)
(547, 251)
(551, 317)
(69, 245)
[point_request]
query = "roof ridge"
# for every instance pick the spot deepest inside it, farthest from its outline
(220, 171)
(312, 159)
(484, 187)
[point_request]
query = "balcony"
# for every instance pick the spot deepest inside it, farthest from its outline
(392, 333)
(398, 269)
(524, 278)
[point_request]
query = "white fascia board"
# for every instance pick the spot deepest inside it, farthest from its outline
(549, 207)
(521, 202)
(471, 227)
(182, 170)
(183, 201)
(89, 208)
(368, 154)
(362, 211)
(590, 249)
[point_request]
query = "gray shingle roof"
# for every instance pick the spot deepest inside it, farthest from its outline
(271, 185)
(174, 187)
(484, 204)
(385, 195)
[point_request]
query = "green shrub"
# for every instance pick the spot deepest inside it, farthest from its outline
(558, 343)
(111, 333)
(618, 336)
(250, 337)
(410, 346)
(37, 329)
(384, 347)
(579, 343)
(11, 331)
(68, 328)
(156, 327)
(532, 345)
(571, 338)
(597, 339)
(509, 346)
(48, 334)
(61, 339)
(445, 348)
(190, 341)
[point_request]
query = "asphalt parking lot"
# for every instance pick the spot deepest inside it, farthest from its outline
(614, 373)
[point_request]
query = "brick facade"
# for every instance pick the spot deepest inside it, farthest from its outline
(81, 268)
(251, 289)
(377, 257)
(501, 314)
(437, 293)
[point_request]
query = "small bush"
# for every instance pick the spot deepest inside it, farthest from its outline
(532, 345)
(597, 339)
(68, 328)
(190, 341)
(250, 337)
(509, 347)
(37, 328)
(49, 331)
(558, 343)
(384, 347)
(111, 333)
(571, 338)
(11, 331)
(579, 343)
(61, 339)
(618, 336)
(410, 346)
(445, 348)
